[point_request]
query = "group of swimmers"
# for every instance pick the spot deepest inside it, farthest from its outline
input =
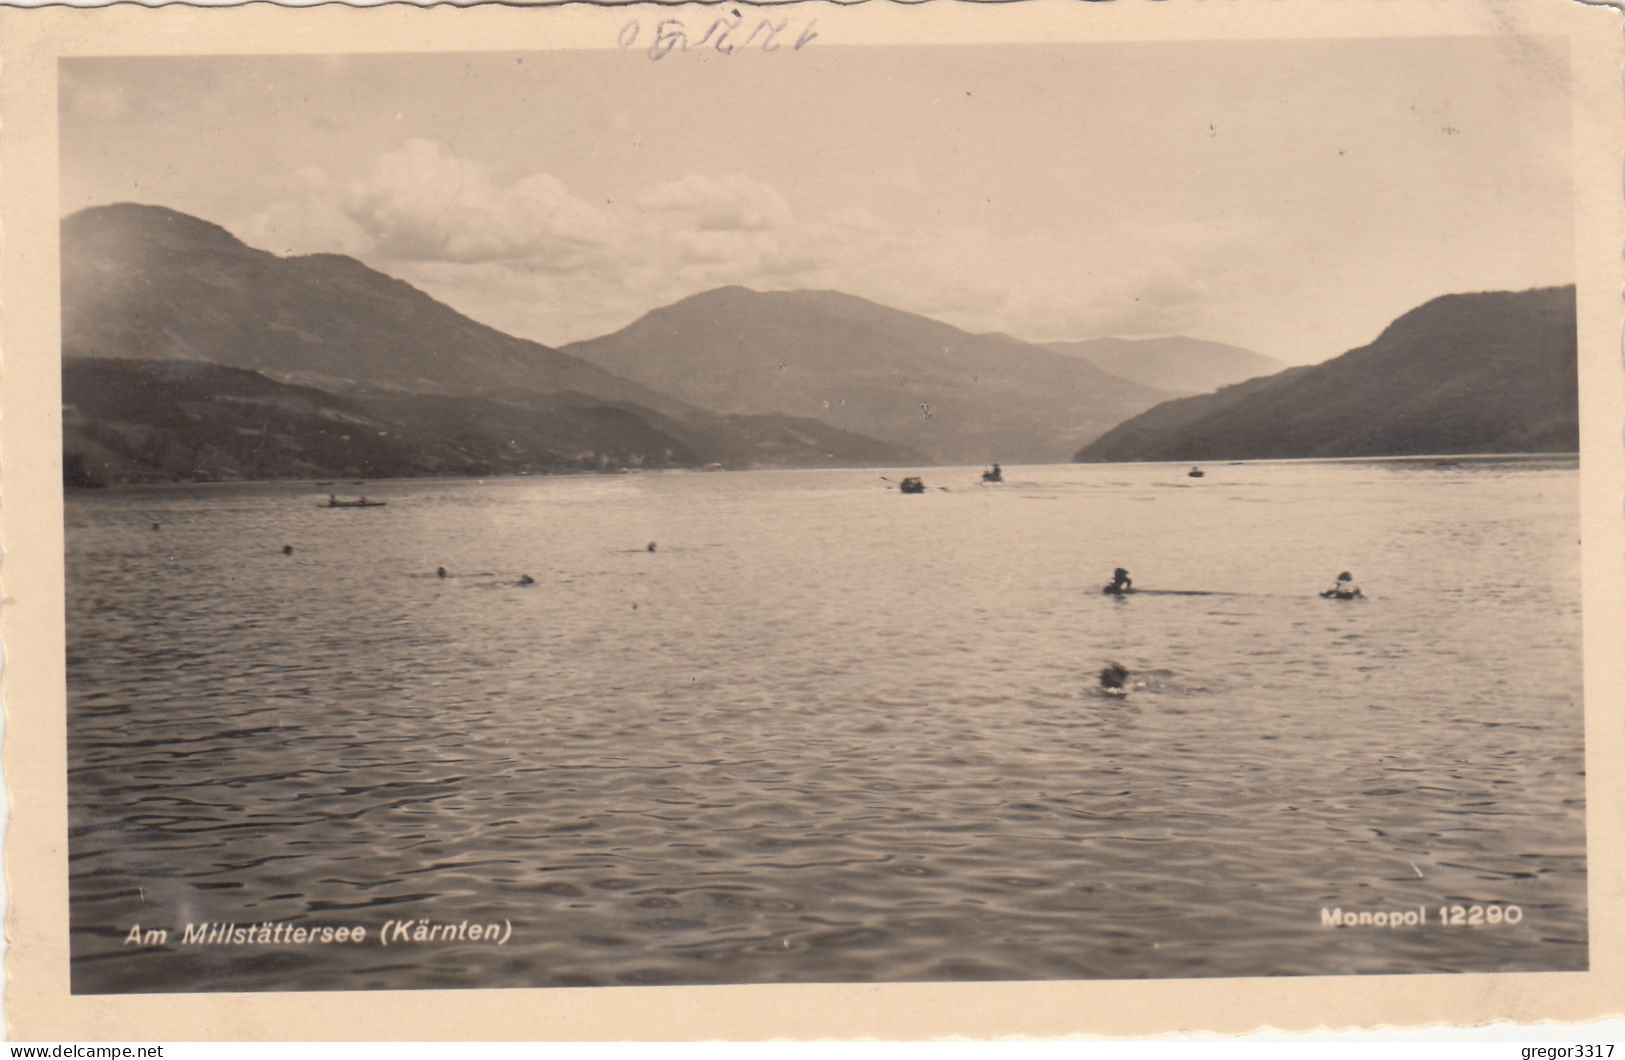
(1114, 676)
(524, 579)
(1342, 589)
(440, 572)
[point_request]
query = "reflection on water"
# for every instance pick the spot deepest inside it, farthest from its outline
(826, 731)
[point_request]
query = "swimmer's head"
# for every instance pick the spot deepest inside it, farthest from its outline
(1113, 675)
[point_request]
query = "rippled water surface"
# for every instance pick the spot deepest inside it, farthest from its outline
(827, 731)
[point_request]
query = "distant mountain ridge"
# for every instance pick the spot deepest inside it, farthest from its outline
(1175, 363)
(187, 354)
(1489, 372)
(139, 421)
(860, 366)
(151, 283)
(148, 283)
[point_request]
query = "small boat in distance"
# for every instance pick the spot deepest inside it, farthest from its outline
(334, 502)
(1195, 472)
(911, 485)
(992, 475)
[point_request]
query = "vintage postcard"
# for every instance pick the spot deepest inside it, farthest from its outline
(811, 521)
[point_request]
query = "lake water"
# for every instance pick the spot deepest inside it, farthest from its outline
(826, 731)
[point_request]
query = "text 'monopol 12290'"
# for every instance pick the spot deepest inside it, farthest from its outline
(1449, 916)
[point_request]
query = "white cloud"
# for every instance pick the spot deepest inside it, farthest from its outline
(424, 202)
(532, 257)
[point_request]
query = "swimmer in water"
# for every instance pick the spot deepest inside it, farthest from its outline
(440, 572)
(651, 546)
(287, 550)
(1114, 677)
(1343, 589)
(1121, 583)
(525, 579)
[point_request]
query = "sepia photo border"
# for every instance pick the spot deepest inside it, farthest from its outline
(39, 1005)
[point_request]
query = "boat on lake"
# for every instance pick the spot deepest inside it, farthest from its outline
(334, 502)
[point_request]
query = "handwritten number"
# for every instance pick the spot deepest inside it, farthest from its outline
(727, 26)
(670, 34)
(724, 48)
(772, 31)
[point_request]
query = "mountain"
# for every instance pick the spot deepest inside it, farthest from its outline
(862, 367)
(151, 284)
(1175, 363)
(1492, 372)
(158, 285)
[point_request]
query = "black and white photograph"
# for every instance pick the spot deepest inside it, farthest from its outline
(730, 506)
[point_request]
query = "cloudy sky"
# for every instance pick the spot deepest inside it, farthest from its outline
(1292, 197)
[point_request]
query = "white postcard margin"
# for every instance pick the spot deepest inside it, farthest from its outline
(39, 1005)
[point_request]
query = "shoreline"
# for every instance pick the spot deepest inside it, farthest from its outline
(1441, 458)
